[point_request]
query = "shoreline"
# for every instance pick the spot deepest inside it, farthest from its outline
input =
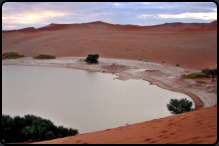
(163, 76)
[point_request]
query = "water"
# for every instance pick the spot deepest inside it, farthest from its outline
(83, 100)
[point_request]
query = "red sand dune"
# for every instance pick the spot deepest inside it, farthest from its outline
(210, 26)
(197, 127)
(101, 25)
(191, 45)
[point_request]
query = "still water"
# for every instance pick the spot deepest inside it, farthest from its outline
(83, 100)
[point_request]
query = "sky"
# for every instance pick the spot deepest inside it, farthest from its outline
(18, 15)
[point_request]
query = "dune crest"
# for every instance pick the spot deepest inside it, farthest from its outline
(104, 25)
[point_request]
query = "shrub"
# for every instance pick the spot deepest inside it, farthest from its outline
(163, 62)
(179, 106)
(177, 64)
(11, 55)
(44, 56)
(92, 58)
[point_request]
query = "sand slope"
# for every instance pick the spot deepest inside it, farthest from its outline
(197, 127)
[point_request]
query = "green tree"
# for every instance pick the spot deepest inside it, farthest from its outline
(31, 128)
(212, 72)
(7, 128)
(206, 71)
(179, 106)
(49, 135)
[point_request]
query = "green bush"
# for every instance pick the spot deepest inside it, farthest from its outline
(11, 55)
(179, 106)
(92, 58)
(177, 64)
(44, 56)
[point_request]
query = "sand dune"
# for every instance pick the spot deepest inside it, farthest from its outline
(104, 25)
(197, 127)
(194, 48)
(210, 26)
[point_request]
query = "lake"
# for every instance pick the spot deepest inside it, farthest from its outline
(83, 100)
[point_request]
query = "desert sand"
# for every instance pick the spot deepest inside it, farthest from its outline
(133, 52)
(188, 128)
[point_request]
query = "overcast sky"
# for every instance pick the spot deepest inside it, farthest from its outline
(17, 15)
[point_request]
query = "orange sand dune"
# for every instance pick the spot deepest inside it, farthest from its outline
(192, 48)
(197, 127)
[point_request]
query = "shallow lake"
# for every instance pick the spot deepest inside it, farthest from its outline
(83, 100)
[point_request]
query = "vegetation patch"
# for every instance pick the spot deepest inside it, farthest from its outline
(44, 56)
(177, 64)
(195, 75)
(92, 58)
(11, 55)
(200, 82)
(31, 128)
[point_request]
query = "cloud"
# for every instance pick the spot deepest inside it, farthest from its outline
(28, 18)
(205, 16)
(8, 27)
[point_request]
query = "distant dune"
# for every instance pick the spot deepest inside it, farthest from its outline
(103, 25)
(188, 44)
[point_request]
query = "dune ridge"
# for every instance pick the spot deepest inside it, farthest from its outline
(101, 25)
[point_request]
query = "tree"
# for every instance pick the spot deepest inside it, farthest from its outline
(212, 72)
(92, 58)
(31, 128)
(179, 106)
(206, 71)
(7, 128)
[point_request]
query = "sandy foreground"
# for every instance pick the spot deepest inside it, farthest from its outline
(199, 126)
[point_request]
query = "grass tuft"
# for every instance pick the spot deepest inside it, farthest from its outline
(200, 82)
(195, 74)
(44, 56)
